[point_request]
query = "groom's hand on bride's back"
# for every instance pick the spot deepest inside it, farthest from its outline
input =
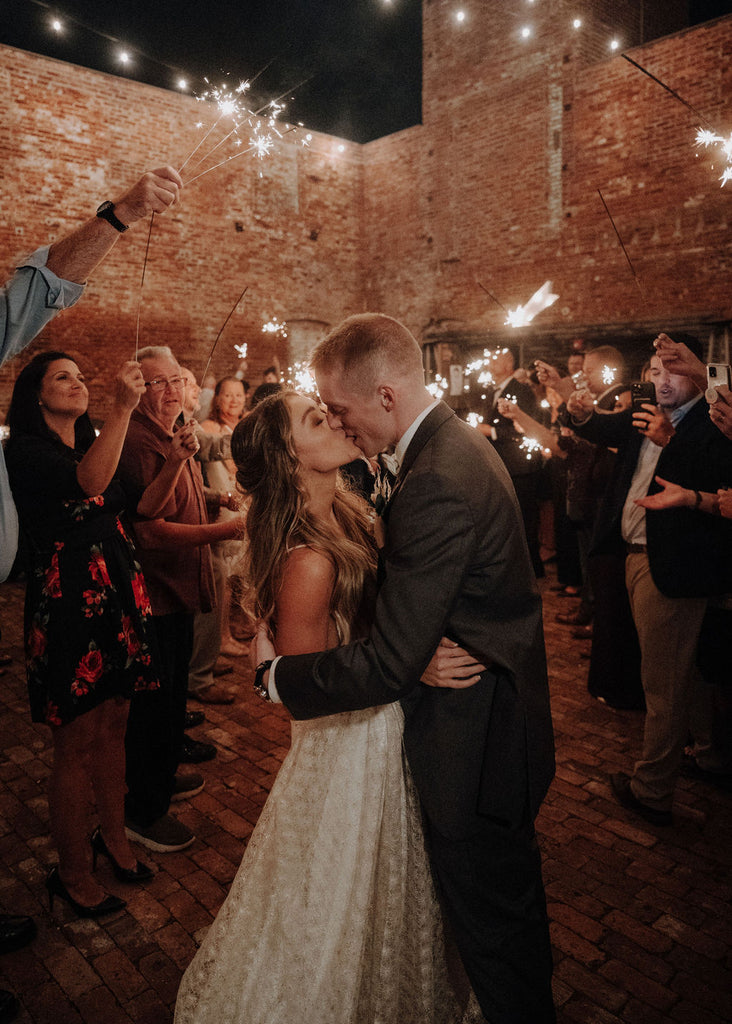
(452, 667)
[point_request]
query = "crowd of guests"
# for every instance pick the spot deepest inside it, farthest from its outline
(132, 539)
(642, 539)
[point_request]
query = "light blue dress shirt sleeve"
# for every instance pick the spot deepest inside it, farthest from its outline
(30, 299)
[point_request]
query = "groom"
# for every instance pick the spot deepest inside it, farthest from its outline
(455, 563)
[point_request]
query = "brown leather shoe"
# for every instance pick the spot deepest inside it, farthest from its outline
(212, 694)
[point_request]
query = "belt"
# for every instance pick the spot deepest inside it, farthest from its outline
(636, 549)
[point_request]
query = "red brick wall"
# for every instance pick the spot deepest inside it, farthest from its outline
(499, 186)
(70, 138)
(501, 183)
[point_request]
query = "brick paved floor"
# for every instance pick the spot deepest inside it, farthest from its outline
(640, 916)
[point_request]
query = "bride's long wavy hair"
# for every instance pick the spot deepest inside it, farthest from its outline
(278, 520)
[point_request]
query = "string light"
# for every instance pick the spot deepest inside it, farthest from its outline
(577, 23)
(615, 44)
(460, 17)
(526, 32)
(182, 84)
(57, 25)
(123, 57)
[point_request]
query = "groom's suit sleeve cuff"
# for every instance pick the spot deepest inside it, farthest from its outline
(271, 685)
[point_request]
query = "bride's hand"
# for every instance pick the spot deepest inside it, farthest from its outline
(451, 666)
(261, 647)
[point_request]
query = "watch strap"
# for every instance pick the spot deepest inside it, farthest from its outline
(106, 212)
(259, 688)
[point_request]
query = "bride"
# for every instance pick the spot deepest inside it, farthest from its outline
(332, 917)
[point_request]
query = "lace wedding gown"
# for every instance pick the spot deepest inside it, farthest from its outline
(332, 917)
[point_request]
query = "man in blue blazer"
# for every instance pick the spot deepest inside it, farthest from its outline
(454, 564)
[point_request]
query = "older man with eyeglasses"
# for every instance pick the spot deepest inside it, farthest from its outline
(176, 560)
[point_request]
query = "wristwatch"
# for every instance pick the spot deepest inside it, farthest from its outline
(259, 688)
(106, 212)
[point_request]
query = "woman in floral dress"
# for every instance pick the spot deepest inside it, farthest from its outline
(87, 614)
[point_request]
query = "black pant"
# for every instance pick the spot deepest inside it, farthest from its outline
(155, 727)
(527, 492)
(494, 897)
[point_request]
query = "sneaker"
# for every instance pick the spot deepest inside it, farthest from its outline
(620, 785)
(187, 784)
(194, 751)
(166, 835)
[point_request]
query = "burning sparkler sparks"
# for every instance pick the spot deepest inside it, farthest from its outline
(301, 379)
(274, 326)
(241, 350)
(438, 386)
(531, 447)
(540, 300)
(608, 375)
(706, 137)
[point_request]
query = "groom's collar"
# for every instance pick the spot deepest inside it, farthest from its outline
(406, 438)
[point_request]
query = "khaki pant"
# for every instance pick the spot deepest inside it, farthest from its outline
(676, 697)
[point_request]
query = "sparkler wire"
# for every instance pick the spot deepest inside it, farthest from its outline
(667, 88)
(142, 284)
(622, 246)
(492, 297)
(213, 347)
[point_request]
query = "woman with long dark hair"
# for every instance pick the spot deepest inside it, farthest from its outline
(332, 915)
(87, 638)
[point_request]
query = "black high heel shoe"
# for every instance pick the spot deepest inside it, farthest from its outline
(57, 888)
(140, 873)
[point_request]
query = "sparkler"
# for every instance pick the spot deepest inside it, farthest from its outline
(142, 284)
(300, 378)
(625, 251)
(608, 375)
(491, 296)
(213, 347)
(668, 89)
(241, 350)
(438, 386)
(706, 138)
(531, 447)
(473, 419)
(540, 300)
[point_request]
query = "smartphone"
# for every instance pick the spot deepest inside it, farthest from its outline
(718, 375)
(642, 392)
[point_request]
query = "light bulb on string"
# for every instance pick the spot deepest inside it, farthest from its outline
(57, 25)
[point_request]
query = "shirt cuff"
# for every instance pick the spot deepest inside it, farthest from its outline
(61, 293)
(271, 685)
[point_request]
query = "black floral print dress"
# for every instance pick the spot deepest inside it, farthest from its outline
(88, 633)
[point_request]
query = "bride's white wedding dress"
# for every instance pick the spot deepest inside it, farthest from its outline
(332, 917)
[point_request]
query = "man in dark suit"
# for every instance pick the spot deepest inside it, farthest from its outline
(675, 559)
(523, 467)
(454, 564)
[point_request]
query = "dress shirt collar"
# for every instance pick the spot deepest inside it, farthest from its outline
(408, 435)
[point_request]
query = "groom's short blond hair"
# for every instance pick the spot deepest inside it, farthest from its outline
(368, 348)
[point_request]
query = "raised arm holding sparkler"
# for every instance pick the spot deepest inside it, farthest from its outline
(74, 257)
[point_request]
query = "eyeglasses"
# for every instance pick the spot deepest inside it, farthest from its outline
(161, 383)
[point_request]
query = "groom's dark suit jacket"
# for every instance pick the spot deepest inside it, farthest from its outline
(455, 564)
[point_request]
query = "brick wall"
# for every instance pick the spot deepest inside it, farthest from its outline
(288, 227)
(498, 187)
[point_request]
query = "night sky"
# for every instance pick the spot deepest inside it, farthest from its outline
(352, 66)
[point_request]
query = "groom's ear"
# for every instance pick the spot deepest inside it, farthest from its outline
(386, 396)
